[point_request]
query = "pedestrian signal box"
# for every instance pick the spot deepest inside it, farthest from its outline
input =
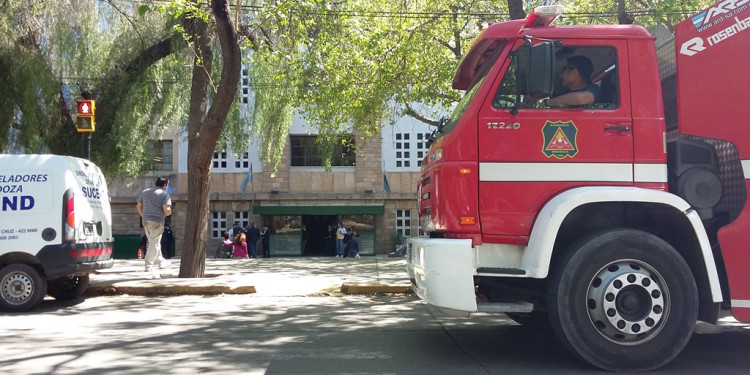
(85, 111)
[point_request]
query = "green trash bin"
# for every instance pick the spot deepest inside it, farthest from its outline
(126, 246)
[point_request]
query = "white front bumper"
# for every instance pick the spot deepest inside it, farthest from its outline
(442, 271)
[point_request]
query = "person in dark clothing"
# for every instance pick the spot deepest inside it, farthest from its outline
(576, 79)
(353, 245)
(144, 246)
(266, 240)
(224, 250)
(253, 235)
(236, 229)
(347, 241)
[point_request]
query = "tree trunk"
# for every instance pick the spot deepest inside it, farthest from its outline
(515, 8)
(623, 18)
(204, 127)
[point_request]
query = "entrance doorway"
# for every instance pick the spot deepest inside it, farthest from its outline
(315, 235)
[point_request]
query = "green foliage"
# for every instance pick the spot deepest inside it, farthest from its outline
(359, 57)
(343, 65)
(646, 13)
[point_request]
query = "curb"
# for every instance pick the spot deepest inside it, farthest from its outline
(180, 290)
(375, 289)
(166, 290)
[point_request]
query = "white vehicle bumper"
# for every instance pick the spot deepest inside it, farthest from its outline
(442, 272)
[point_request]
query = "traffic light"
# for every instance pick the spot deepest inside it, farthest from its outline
(85, 111)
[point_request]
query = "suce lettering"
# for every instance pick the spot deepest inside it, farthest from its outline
(91, 192)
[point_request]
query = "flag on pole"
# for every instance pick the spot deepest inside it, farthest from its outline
(386, 185)
(246, 180)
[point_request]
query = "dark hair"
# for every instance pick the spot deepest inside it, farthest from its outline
(226, 235)
(161, 181)
(583, 65)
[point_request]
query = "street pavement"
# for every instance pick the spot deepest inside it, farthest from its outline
(277, 277)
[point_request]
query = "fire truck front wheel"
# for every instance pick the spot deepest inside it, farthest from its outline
(623, 300)
(21, 287)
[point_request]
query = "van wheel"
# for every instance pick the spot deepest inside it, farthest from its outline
(623, 300)
(68, 287)
(21, 287)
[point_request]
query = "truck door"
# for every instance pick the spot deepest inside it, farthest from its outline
(528, 157)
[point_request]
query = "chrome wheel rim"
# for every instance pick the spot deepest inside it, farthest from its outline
(628, 302)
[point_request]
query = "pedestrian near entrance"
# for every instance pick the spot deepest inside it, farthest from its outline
(266, 240)
(239, 246)
(236, 229)
(154, 205)
(353, 245)
(253, 235)
(225, 248)
(340, 233)
(347, 241)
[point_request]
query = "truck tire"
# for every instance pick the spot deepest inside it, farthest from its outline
(623, 300)
(21, 287)
(68, 287)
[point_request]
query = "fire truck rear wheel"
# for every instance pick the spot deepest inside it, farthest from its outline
(68, 287)
(21, 287)
(623, 300)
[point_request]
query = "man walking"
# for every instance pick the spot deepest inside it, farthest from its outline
(154, 204)
(253, 235)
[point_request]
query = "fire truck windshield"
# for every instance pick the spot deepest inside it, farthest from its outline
(460, 108)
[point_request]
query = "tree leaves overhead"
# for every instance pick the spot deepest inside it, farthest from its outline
(342, 64)
(52, 52)
(345, 64)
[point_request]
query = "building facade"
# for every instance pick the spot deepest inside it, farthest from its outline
(370, 188)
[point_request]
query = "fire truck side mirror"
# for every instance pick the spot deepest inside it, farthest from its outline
(541, 79)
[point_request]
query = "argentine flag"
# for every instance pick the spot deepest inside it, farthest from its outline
(248, 179)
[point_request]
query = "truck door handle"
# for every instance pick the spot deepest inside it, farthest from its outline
(622, 128)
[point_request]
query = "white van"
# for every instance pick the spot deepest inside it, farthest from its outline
(55, 228)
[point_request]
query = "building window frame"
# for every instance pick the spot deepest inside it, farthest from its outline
(403, 223)
(243, 162)
(160, 155)
(218, 224)
(305, 153)
(243, 217)
(219, 160)
(422, 147)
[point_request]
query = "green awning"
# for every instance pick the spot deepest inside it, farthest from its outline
(320, 210)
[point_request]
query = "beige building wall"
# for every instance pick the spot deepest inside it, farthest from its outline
(360, 185)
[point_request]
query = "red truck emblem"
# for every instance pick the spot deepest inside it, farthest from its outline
(559, 139)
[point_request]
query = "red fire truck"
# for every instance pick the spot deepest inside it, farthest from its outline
(619, 223)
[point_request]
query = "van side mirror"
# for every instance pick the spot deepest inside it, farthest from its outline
(541, 70)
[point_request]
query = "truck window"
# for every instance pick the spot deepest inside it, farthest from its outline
(511, 91)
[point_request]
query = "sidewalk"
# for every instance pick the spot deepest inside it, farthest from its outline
(264, 277)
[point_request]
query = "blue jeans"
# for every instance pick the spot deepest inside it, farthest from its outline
(252, 249)
(339, 246)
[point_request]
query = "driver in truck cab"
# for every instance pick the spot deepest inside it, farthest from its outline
(576, 79)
